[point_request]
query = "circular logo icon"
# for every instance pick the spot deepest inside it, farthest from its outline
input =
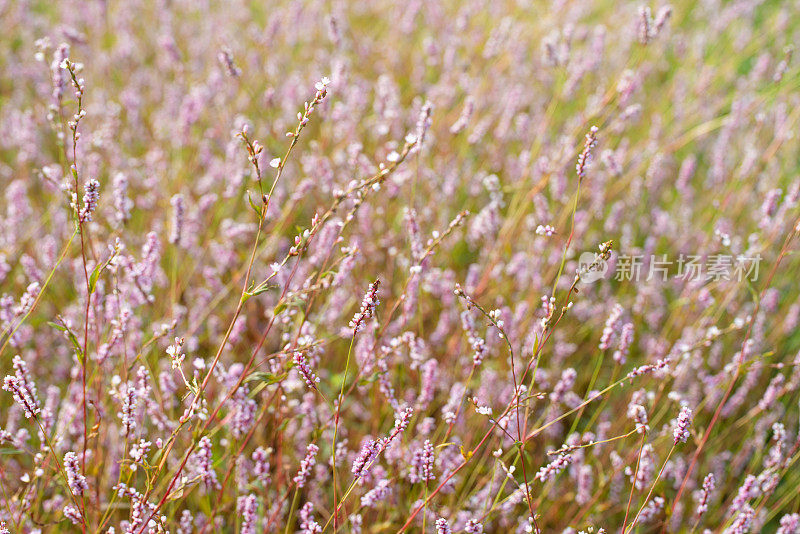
(591, 267)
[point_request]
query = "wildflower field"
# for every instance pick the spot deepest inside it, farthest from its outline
(432, 266)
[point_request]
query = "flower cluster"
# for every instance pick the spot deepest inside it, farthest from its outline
(22, 388)
(306, 465)
(189, 324)
(680, 432)
(368, 305)
(75, 480)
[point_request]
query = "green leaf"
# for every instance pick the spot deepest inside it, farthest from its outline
(282, 305)
(535, 345)
(257, 290)
(257, 209)
(94, 276)
(70, 335)
(261, 288)
(265, 377)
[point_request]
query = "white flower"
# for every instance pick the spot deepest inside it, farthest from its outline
(322, 84)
